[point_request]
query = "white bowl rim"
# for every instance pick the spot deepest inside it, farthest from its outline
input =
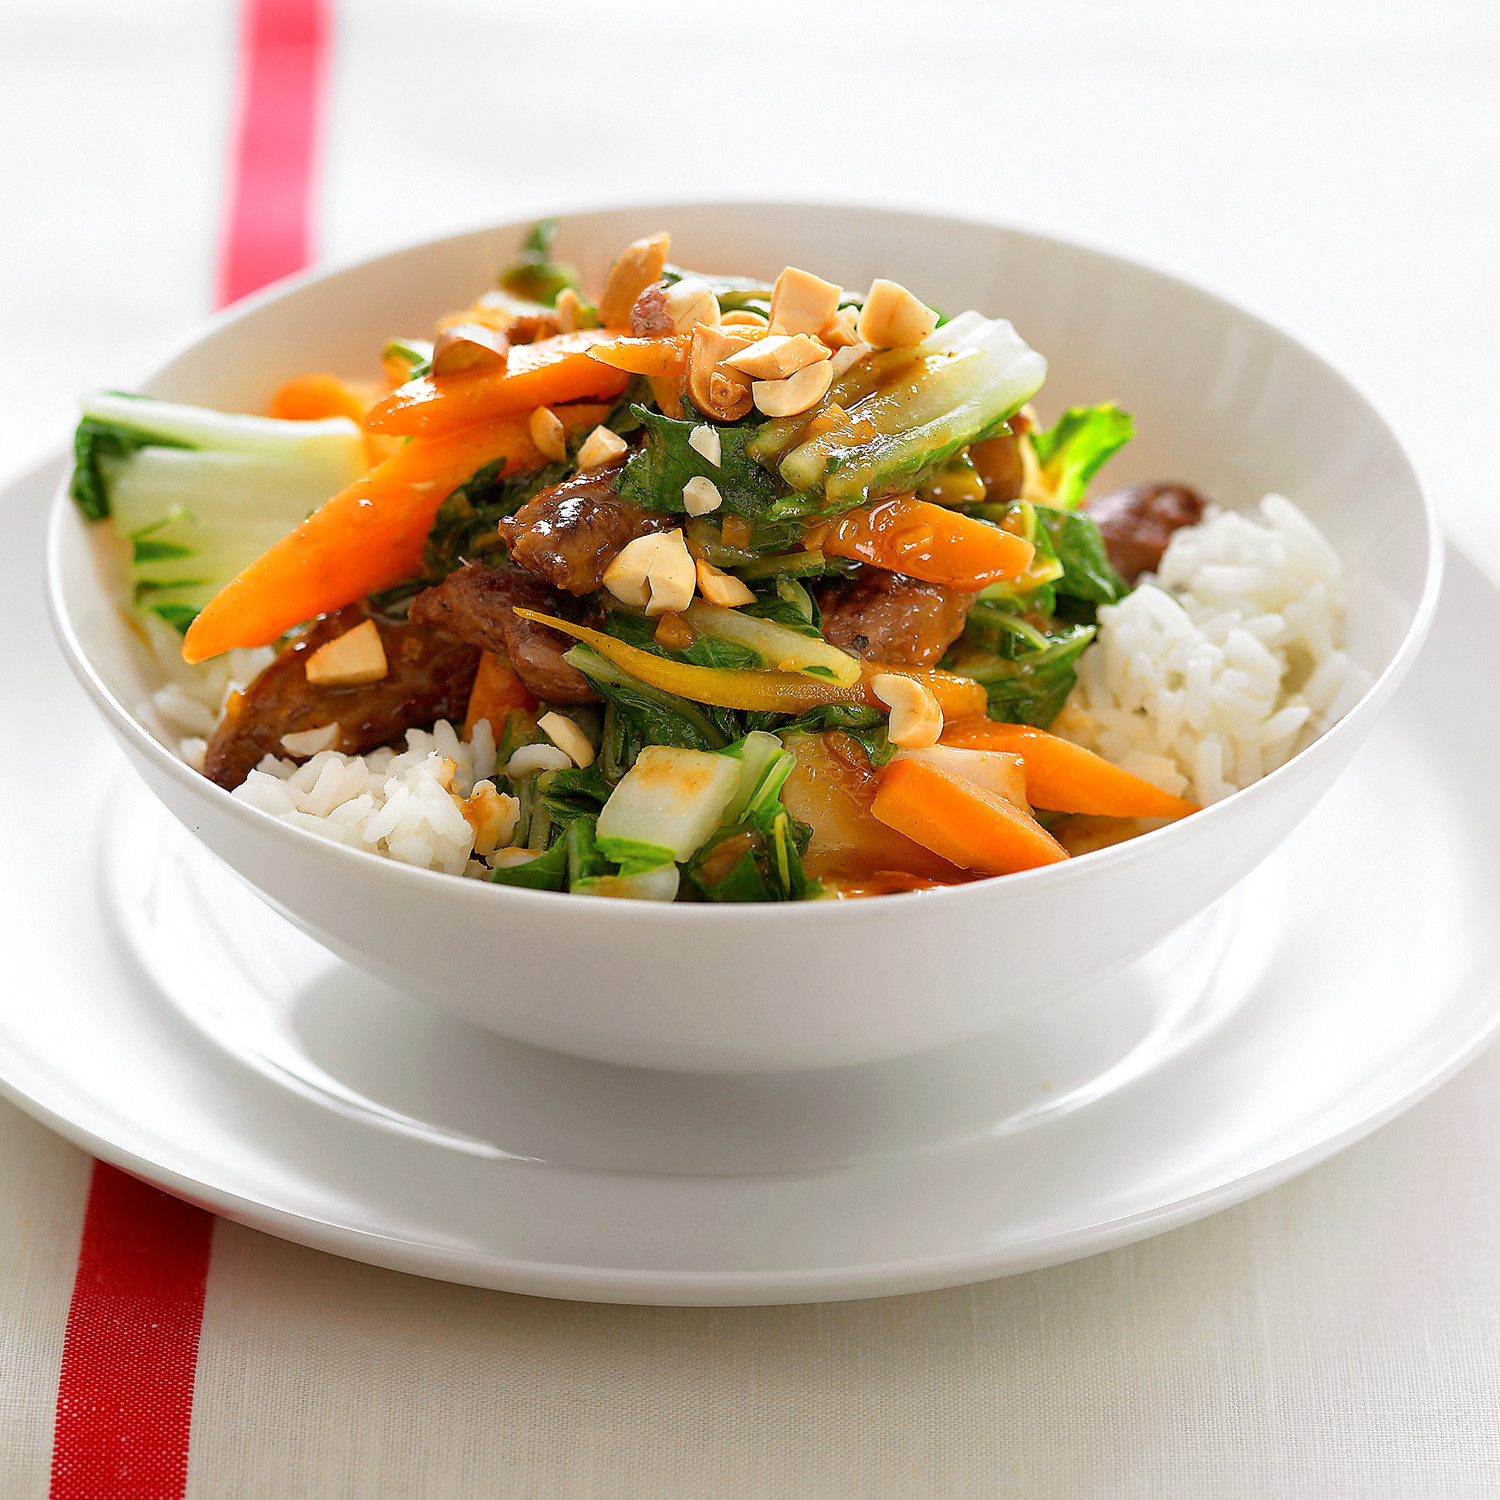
(144, 743)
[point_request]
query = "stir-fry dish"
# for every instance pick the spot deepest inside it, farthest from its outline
(695, 587)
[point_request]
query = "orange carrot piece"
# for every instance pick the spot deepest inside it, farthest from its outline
(497, 691)
(1064, 777)
(922, 540)
(659, 356)
(970, 826)
(546, 373)
(366, 537)
(312, 397)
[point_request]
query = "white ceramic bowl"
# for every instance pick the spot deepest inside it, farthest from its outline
(1221, 398)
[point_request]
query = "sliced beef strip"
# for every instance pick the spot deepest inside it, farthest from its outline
(478, 604)
(889, 617)
(429, 677)
(1137, 522)
(569, 534)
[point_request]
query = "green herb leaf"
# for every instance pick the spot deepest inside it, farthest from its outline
(533, 273)
(655, 475)
(547, 872)
(1072, 452)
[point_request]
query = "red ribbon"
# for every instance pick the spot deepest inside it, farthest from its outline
(125, 1393)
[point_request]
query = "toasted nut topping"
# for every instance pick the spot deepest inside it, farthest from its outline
(719, 587)
(549, 434)
(568, 737)
(785, 398)
(531, 759)
(654, 573)
(802, 302)
(700, 495)
(569, 311)
(601, 447)
(689, 302)
(349, 660)
(706, 442)
(842, 329)
(468, 347)
(716, 390)
(892, 318)
(649, 318)
(850, 354)
(916, 719)
(491, 815)
(743, 317)
(777, 355)
(308, 742)
(508, 859)
(674, 633)
(640, 264)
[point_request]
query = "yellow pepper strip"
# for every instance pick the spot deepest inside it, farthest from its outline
(774, 692)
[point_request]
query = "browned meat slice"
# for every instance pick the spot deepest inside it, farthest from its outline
(569, 534)
(1137, 522)
(478, 604)
(889, 617)
(429, 677)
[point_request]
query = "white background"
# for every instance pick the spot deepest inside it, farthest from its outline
(1334, 164)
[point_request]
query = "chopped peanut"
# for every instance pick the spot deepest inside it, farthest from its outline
(689, 302)
(743, 317)
(716, 390)
(674, 633)
(352, 659)
(654, 573)
(894, 319)
(549, 434)
(916, 719)
(850, 354)
(777, 355)
(640, 264)
(601, 447)
(719, 587)
(466, 348)
(569, 310)
(700, 496)
(568, 737)
(797, 393)
(802, 302)
(842, 329)
(706, 442)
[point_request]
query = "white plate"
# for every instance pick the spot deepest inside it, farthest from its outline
(158, 1014)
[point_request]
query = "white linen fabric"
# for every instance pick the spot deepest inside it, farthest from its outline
(1333, 162)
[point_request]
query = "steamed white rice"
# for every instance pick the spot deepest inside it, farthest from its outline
(407, 806)
(1226, 663)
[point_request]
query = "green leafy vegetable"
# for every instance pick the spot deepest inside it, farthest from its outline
(533, 273)
(200, 494)
(1072, 452)
(1027, 682)
(1087, 572)
(547, 872)
(909, 412)
(867, 725)
(655, 475)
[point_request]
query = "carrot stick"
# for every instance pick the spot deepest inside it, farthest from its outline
(1064, 777)
(312, 397)
(366, 537)
(922, 540)
(661, 356)
(970, 826)
(496, 692)
(779, 692)
(546, 373)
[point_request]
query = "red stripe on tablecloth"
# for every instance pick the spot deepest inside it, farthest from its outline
(125, 1399)
(268, 222)
(125, 1395)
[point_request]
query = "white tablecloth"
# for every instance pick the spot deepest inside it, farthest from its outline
(1334, 163)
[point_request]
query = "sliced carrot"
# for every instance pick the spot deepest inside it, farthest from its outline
(312, 397)
(496, 692)
(1064, 777)
(968, 825)
(546, 373)
(778, 692)
(663, 356)
(922, 540)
